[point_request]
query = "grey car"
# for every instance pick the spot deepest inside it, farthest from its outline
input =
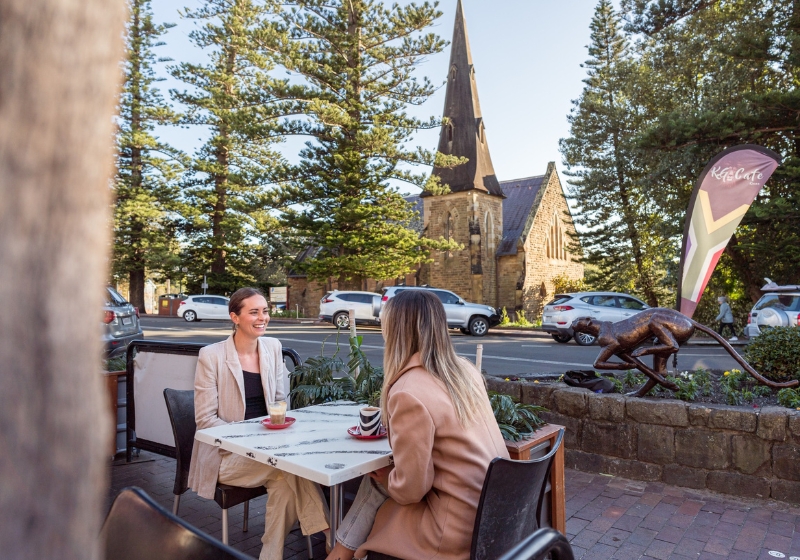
(470, 318)
(120, 323)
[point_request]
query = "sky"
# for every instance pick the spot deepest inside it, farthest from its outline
(527, 56)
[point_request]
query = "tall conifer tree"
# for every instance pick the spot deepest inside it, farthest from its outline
(623, 235)
(357, 60)
(147, 168)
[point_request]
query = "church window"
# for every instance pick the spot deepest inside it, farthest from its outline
(449, 231)
(453, 71)
(449, 132)
(488, 228)
(556, 240)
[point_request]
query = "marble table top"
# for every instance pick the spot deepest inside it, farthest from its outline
(316, 447)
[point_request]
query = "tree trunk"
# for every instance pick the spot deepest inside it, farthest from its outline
(136, 288)
(752, 286)
(58, 90)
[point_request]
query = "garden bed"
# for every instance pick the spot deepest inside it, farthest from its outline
(740, 450)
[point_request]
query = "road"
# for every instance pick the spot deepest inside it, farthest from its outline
(503, 355)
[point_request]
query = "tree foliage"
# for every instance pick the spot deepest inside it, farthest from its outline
(356, 60)
(147, 169)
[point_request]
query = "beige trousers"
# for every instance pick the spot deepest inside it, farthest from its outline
(289, 499)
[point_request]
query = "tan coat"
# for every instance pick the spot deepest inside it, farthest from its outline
(219, 400)
(439, 468)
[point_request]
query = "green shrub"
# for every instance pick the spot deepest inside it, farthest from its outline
(515, 420)
(504, 319)
(119, 363)
(521, 320)
(775, 353)
(789, 398)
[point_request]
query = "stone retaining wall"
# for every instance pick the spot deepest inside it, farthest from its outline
(733, 450)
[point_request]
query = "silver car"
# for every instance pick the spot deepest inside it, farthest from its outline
(335, 306)
(558, 315)
(120, 324)
(469, 318)
(778, 307)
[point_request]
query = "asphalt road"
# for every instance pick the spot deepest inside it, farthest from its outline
(502, 354)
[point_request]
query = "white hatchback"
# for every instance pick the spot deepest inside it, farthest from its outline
(335, 306)
(195, 308)
(778, 307)
(559, 314)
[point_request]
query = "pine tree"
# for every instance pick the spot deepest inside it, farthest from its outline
(226, 189)
(357, 60)
(624, 235)
(147, 169)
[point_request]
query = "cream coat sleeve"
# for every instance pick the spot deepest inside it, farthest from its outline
(411, 432)
(206, 393)
(280, 375)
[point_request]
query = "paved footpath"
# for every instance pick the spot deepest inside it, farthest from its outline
(607, 517)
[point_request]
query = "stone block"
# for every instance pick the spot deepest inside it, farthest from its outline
(702, 449)
(636, 470)
(731, 418)
(570, 401)
(772, 423)
(687, 477)
(786, 461)
(750, 454)
(606, 407)
(500, 385)
(538, 394)
(663, 412)
(699, 414)
(572, 433)
(614, 440)
(656, 444)
(738, 484)
(794, 423)
(786, 491)
(586, 462)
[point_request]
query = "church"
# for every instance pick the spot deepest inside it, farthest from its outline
(516, 235)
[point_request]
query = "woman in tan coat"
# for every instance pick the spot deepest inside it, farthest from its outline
(443, 436)
(234, 381)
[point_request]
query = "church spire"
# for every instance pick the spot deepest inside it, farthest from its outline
(464, 134)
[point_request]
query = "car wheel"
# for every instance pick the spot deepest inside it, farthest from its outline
(341, 320)
(583, 339)
(478, 326)
(562, 338)
(189, 316)
(464, 331)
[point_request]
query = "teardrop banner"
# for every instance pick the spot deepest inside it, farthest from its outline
(723, 193)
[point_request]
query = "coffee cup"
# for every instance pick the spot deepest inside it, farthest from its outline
(277, 413)
(369, 420)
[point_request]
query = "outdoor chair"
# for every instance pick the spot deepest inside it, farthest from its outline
(137, 528)
(539, 545)
(180, 406)
(510, 506)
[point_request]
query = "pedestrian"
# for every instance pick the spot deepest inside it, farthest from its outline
(725, 317)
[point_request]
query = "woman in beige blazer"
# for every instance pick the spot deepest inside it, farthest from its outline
(234, 381)
(443, 436)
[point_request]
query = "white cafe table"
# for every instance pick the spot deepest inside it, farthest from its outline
(316, 447)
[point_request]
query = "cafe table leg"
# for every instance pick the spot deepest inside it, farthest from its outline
(335, 513)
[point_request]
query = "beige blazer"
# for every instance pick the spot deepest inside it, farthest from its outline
(439, 468)
(219, 400)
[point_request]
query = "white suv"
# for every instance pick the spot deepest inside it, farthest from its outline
(778, 307)
(470, 318)
(559, 314)
(334, 308)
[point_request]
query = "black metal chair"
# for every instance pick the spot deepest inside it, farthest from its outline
(180, 406)
(538, 545)
(137, 528)
(510, 505)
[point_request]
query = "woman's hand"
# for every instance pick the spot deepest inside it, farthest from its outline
(381, 476)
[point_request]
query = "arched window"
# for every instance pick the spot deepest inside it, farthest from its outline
(449, 132)
(449, 231)
(555, 245)
(453, 71)
(488, 228)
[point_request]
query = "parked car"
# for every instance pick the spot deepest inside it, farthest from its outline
(778, 307)
(559, 314)
(334, 307)
(470, 318)
(196, 308)
(120, 323)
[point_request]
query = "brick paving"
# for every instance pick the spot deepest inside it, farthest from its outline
(607, 517)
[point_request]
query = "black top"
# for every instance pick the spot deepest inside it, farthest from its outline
(256, 404)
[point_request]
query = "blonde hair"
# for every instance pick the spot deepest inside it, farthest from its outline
(415, 321)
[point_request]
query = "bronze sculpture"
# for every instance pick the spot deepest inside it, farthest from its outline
(624, 340)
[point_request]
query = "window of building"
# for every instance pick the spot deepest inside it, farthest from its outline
(556, 240)
(449, 231)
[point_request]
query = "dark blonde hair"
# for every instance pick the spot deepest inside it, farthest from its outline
(415, 321)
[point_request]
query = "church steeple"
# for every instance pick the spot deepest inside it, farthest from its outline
(464, 132)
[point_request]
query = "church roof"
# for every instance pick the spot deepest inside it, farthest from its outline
(463, 133)
(521, 194)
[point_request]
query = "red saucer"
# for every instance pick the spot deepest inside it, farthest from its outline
(355, 431)
(268, 425)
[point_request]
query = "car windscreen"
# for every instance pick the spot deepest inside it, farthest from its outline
(785, 302)
(560, 299)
